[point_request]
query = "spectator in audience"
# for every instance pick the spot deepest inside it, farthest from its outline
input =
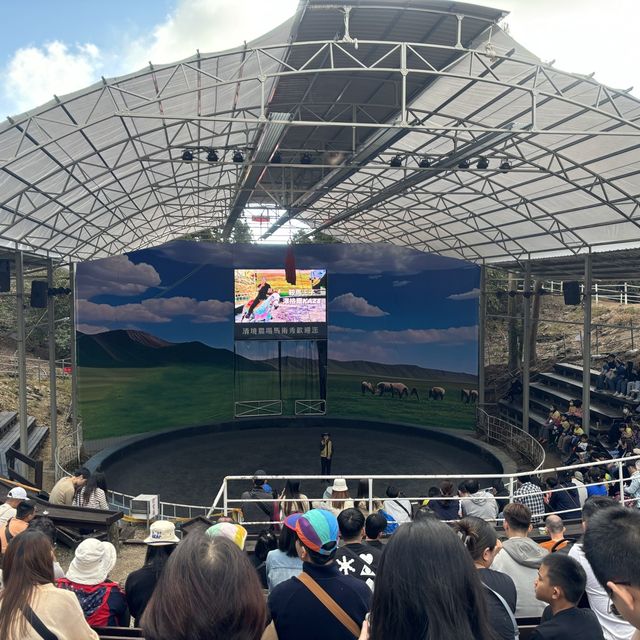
(265, 543)
(530, 495)
(207, 591)
(481, 541)
(292, 492)
(94, 493)
(560, 583)
(8, 509)
(326, 454)
(500, 493)
(362, 499)
(613, 627)
(427, 587)
(355, 558)
(374, 527)
(296, 608)
(595, 476)
(633, 488)
(556, 530)
(235, 532)
(259, 512)
(475, 502)
(65, 489)
(45, 525)
(577, 479)
(283, 563)
(29, 602)
(448, 508)
(102, 601)
(396, 506)
(339, 497)
(563, 497)
(161, 542)
(25, 513)
(424, 512)
(612, 548)
(608, 364)
(520, 558)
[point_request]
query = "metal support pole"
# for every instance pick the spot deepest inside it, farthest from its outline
(586, 347)
(482, 317)
(370, 481)
(22, 358)
(51, 337)
(621, 481)
(74, 363)
(225, 509)
(526, 346)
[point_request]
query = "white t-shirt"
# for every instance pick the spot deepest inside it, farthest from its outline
(6, 512)
(613, 628)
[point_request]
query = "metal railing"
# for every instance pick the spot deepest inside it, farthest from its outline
(36, 368)
(514, 439)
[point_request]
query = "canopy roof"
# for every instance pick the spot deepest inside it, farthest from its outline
(353, 83)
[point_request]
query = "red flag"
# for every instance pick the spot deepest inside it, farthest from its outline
(290, 266)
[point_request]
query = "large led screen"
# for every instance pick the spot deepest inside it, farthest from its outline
(270, 306)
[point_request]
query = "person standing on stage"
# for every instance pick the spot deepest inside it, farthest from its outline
(263, 293)
(326, 453)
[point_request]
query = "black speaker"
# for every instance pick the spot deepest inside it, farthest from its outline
(5, 275)
(571, 292)
(39, 292)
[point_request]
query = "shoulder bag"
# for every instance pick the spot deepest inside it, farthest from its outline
(40, 628)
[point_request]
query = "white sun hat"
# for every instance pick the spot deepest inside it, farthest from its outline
(92, 562)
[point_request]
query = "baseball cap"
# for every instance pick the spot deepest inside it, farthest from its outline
(318, 531)
(17, 493)
(230, 530)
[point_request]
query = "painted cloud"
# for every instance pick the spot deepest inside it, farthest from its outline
(467, 295)
(349, 303)
(116, 276)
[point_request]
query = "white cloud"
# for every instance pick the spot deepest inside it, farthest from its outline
(349, 303)
(35, 74)
(400, 283)
(450, 335)
(115, 276)
(467, 295)
(156, 310)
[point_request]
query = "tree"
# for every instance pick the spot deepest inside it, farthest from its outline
(317, 237)
(241, 233)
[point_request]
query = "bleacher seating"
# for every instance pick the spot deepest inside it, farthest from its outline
(10, 436)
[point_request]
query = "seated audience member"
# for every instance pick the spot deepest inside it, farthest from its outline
(25, 513)
(265, 543)
(283, 563)
(577, 479)
(94, 493)
(613, 627)
(30, 605)
(8, 509)
(612, 548)
(427, 587)
(594, 489)
(235, 532)
(260, 512)
(563, 497)
(362, 499)
(482, 543)
(556, 530)
(633, 488)
(45, 525)
(424, 512)
(161, 542)
(354, 558)
(397, 507)
(102, 601)
(339, 497)
(374, 527)
(300, 502)
(296, 608)
(560, 583)
(65, 489)
(475, 502)
(531, 496)
(520, 558)
(208, 590)
(448, 507)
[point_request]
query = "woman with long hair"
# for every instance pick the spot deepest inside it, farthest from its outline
(339, 497)
(283, 563)
(427, 588)
(30, 603)
(208, 590)
(94, 494)
(362, 499)
(292, 492)
(482, 543)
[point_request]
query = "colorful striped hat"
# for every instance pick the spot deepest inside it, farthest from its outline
(318, 531)
(234, 532)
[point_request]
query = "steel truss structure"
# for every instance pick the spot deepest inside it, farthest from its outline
(353, 84)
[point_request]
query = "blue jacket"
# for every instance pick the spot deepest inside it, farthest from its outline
(297, 613)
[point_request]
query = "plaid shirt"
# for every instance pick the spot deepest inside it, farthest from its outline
(530, 496)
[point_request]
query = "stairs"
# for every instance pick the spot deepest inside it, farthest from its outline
(10, 436)
(558, 387)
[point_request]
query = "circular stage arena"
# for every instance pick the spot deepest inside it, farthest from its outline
(187, 465)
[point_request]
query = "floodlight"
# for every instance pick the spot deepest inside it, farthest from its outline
(464, 164)
(505, 166)
(306, 158)
(238, 156)
(425, 163)
(396, 161)
(187, 156)
(483, 163)
(212, 156)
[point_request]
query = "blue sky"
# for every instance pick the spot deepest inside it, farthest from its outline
(57, 46)
(387, 304)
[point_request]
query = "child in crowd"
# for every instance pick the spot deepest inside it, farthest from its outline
(561, 582)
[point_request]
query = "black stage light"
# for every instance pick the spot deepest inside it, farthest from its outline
(238, 156)
(276, 158)
(505, 166)
(464, 164)
(187, 156)
(483, 163)
(396, 161)
(212, 156)
(306, 158)
(425, 163)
